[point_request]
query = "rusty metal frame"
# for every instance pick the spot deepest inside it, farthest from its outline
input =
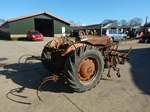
(115, 57)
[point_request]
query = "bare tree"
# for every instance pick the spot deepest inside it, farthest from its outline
(115, 21)
(79, 24)
(72, 23)
(2, 21)
(106, 21)
(136, 21)
(76, 24)
(123, 22)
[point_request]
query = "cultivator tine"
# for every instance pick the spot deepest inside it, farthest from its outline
(30, 56)
(108, 74)
(118, 71)
(22, 57)
(125, 55)
(114, 67)
(53, 78)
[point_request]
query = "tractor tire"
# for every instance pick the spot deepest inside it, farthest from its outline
(83, 68)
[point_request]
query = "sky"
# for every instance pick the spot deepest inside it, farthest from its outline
(79, 11)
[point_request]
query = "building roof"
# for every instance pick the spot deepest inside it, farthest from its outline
(132, 26)
(95, 26)
(31, 15)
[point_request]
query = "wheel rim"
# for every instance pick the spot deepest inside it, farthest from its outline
(87, 69)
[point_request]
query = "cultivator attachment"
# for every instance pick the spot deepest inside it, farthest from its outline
(115, 57)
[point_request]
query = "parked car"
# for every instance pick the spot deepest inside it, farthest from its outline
(115, 34)
(134, 32)
(34, 35)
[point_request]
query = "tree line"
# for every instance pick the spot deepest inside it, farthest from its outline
(123, 22)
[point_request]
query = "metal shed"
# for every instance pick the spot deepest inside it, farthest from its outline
(44, 22)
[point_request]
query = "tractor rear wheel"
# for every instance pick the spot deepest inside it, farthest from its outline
(84, 68)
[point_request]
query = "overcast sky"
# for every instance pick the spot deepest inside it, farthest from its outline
(83, 11)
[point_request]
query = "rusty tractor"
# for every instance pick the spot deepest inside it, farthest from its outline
(81, 62)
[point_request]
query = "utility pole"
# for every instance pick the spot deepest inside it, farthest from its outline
(146, 20)
(101, 29)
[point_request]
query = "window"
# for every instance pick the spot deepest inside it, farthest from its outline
(114, 31)
(36, 32)
(104, 31)
(110, 31)
(118, 32)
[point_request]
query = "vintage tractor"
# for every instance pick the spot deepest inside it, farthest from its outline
(81, 62)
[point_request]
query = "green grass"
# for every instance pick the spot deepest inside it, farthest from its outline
(14, 39)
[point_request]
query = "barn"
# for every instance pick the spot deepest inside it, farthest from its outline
(44, 22)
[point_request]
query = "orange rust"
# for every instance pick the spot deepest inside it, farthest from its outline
(98, 40)
(72, 48)
(57, 43)
(86, 70)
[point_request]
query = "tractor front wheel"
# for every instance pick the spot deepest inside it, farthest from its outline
(84, 68)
